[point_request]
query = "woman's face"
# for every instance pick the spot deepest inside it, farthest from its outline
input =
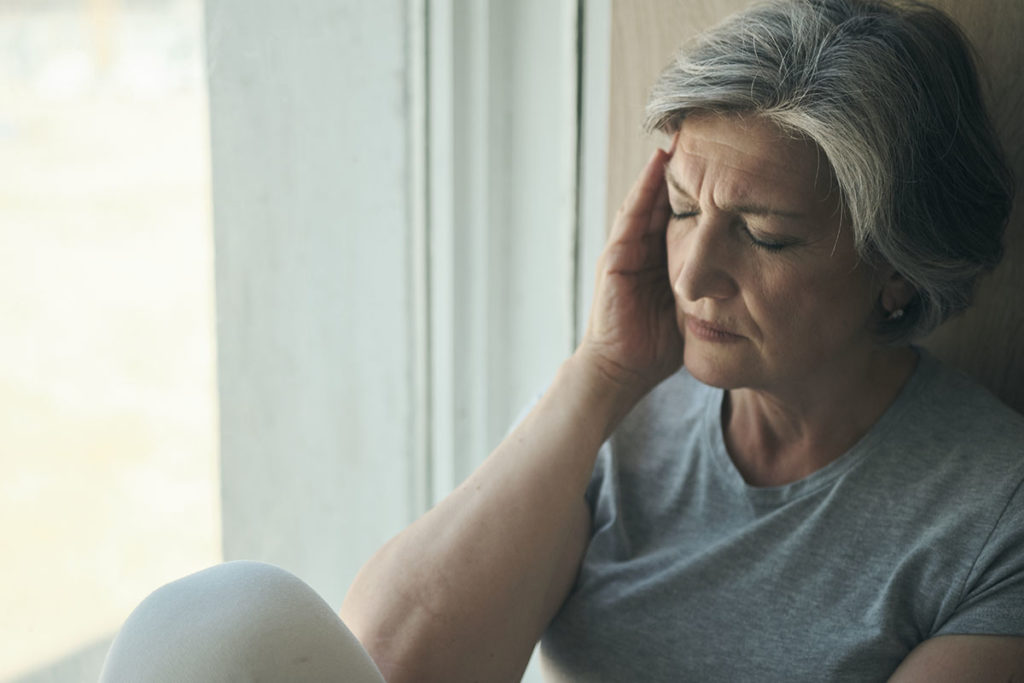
(769, 290)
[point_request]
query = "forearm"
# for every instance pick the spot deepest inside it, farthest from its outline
(465, 591)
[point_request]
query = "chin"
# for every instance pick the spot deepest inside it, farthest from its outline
(721, 370)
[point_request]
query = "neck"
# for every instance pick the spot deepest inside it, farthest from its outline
(779, 435)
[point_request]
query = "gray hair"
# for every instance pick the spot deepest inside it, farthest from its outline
(889, 93)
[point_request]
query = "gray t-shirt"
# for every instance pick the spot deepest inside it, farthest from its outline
(693, 575)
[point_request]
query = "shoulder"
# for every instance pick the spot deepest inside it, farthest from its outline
(953, 437)
(953, 462)
(951, 413)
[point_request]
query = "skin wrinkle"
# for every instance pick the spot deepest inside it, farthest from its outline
(804, 312)
(733, 161)
(821, 171)
(751, 209)
(864, 83)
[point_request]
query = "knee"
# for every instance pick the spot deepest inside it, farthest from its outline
(222, 617)
(241, 588)
(226, 595)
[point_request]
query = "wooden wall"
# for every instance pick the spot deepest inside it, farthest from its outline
(988, 340)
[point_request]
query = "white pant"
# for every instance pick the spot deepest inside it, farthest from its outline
(238, 622)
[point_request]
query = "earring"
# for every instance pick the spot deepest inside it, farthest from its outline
(895, 315)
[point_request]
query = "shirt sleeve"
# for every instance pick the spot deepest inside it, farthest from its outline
(992, 600)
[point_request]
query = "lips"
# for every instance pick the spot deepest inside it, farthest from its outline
(710, 331)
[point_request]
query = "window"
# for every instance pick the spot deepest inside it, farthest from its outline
(107, 356)
(399, 262)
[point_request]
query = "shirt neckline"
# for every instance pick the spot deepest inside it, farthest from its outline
(773, 496)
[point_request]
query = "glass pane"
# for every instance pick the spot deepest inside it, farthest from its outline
(108, 426)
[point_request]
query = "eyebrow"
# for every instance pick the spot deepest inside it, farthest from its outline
(746, 209)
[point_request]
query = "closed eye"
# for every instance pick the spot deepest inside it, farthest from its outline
(766, 245)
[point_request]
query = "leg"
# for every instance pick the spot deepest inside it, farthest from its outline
(239, 621)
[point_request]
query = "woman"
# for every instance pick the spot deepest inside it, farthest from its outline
(809, 497)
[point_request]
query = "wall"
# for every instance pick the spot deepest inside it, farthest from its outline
(987, 341)
(395, 217)
(397, 255)
(310, 153)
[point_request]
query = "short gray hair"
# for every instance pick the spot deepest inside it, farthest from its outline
(889, 93)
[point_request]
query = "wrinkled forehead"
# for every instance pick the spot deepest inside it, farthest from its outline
(753, 154)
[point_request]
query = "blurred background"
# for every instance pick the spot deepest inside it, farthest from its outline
(108, 411)
(379, 313)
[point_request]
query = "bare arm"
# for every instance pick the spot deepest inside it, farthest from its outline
(951, 659)
(465, 592)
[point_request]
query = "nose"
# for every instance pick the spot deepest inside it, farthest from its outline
(706, 262)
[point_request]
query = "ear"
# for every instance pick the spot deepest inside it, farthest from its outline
(896, 293)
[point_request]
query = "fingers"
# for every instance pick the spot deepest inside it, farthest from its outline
(660, 208)
(662, 211)
(646, 208)
(635, 211)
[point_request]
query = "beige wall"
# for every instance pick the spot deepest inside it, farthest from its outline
(987, 341)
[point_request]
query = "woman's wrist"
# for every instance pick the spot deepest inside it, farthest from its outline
(602, 395)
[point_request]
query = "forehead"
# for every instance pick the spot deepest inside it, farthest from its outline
(748, 157)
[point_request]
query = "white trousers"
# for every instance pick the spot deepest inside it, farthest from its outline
(238, 622)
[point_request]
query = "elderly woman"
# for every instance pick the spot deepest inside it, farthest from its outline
(746, 471)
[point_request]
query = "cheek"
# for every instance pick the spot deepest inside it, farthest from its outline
(850, 291)
(825, 304)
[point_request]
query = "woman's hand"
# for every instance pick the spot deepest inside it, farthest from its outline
(465, 592)
(632, 336)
